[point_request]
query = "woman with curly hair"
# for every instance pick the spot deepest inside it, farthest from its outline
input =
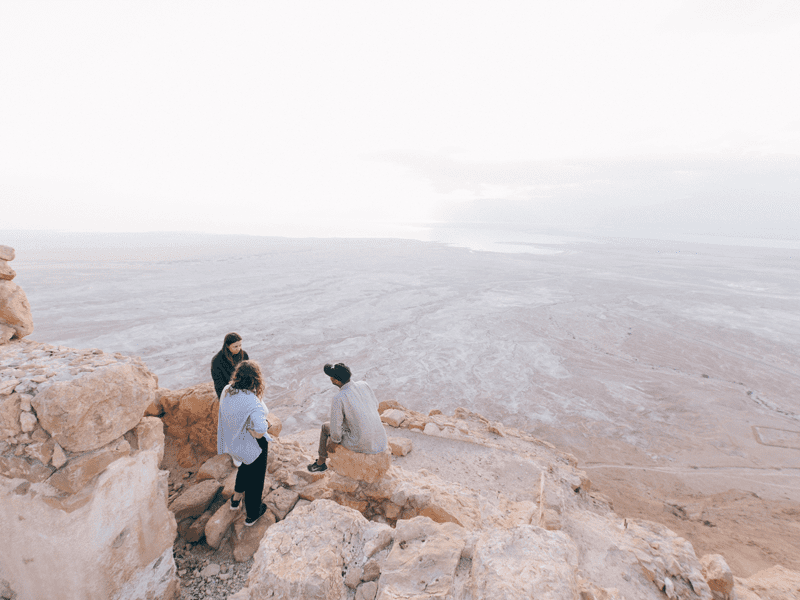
(224, 362)
(242, 433)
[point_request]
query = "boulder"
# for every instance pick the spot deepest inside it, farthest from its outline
(217, 467)
(6, 333)
(423, 560)
(6, 253)
(275, 425)
(400, 446)
(384, 405)
(15, 311)
(194, 501)
(524, 562)
(6, 272)
(81, 469)
(718, 575)
(10, 410)
(116, 543)
(15, 467)
(88, 412)
(281, 500)
(367, 591)
(190, 417)
(218, 525)
(150, 436)
(393, 417)
(245, 540)
(305, 556)
(775, 583)
(363, 467)
(197, 528)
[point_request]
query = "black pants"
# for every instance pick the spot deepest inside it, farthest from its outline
(250, 480)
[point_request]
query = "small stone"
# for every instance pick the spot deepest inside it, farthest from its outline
(59, 458)
(393, 417)
(224, 576)
(400, 446)
(431, 429)
(27, 421)
(353, 577)
(210, 571)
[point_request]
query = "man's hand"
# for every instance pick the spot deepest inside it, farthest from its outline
(331, 446)
(258, 436)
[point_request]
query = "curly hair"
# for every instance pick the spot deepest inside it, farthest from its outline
(247, 377)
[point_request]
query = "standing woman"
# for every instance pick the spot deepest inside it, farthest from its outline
(242, 433)
(224, 362)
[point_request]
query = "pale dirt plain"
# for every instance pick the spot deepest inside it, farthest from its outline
(670, 370)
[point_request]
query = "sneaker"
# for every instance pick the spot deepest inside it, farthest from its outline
(248, 522)
(315, 467)
(235, 503)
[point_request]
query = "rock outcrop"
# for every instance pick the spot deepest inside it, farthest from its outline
(84, 511)
(15, 311)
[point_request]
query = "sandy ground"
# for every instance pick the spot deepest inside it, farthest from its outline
(670, 370)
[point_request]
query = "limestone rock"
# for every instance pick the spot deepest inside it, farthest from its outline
(393, 417)
(384, 405)
(217, 467)
(194, 501)
(117, 544)
(15, 467)
(6, 333)
(88, 412)
(81, 469)
(353, 577)
(776, 583)
(6, 253)
(218, 525)
(15, 311)
(245, 540)
(423, 560)
(190, 416)
(275, 425)
(363, 467)
(304, 556)
(400, 446)
(27, 422)
(372, 570)
(150, 436)
(228, 485)
(281, 500)
(197, 528)
(10, 411)
(524, 562)
(367, 591)
(59, 458)
(718, 575)
(6, 272)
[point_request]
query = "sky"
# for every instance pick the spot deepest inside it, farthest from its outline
(289, 118)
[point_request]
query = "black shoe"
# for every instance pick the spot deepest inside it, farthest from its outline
(248, 521)
(235, 503)
(315, 467)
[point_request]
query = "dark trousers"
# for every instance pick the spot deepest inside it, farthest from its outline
(324, 434)
(250, 480)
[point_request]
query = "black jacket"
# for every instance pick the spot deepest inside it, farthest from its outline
(222, 369)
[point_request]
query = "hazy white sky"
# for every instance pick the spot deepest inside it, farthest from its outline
(261, 117)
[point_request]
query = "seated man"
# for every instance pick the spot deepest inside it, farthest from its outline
(355, 422)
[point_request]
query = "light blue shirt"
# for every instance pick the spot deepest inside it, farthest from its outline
(239, 412)
(355, 422)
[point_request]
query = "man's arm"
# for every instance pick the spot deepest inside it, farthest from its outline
(337, 419)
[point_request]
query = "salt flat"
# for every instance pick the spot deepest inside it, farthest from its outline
(657, 357)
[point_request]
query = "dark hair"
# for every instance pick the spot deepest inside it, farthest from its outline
(232, 338)
(339, 371)
(247, 376)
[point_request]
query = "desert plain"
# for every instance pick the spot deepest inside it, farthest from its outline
(669, 369)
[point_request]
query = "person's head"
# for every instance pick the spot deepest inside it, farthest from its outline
(232, 345)
(247, 376)
(339, 373)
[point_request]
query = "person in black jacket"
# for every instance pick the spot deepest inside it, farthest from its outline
(224, 362)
